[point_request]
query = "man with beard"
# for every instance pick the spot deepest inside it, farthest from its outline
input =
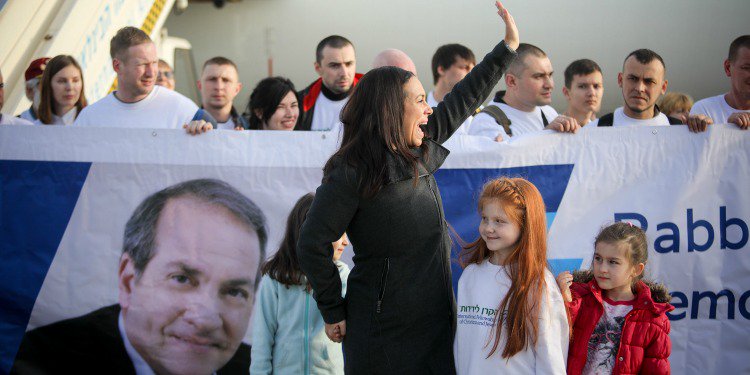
(643, 81)
(322, 101)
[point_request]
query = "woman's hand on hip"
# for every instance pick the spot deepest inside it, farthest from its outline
(336, 331)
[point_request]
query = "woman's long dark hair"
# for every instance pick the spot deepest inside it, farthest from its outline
(47, 105)
(265, 98)
(373, 127)
(284, 266)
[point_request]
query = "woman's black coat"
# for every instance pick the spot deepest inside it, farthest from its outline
(399, 306)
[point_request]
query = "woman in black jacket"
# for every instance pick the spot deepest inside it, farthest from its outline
(399, 312)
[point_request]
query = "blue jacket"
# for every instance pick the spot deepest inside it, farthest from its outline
(289, 332)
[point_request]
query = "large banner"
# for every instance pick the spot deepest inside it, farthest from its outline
(66, 195)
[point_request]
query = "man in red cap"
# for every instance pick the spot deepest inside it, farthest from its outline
(33, 77)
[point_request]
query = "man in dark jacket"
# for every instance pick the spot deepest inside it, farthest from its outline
(219, 85)
(91, 344)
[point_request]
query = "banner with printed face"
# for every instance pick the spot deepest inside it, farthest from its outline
(68, 194)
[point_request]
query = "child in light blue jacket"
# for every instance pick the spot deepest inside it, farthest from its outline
(288, 330)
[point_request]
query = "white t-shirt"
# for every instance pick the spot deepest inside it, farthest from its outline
(67, 119)
(620, 119)
(10, 120)
(605, 340)
(162, 109)
(715, 107)
(229, 125)
(461, 129)
(521, 122)
(481, 288)
(27, 115)
(326, 115)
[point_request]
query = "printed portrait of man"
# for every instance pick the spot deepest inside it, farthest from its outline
(186, 277)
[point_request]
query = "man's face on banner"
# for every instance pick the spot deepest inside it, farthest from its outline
(188, 311)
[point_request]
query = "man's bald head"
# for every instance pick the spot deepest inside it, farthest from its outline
(394, 57)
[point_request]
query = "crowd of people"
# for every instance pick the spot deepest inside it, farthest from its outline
(395, 312)
(145, 96)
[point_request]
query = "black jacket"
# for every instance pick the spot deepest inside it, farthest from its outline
(399, 307)
(90, 344)
(305, 117)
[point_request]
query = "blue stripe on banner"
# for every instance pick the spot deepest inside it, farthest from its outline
(37, 199)
(550, 219)
(460, 188)
(567, 264)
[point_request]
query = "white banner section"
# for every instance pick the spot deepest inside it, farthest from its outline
(690, 191)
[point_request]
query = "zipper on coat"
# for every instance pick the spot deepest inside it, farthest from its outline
(383, 281)
(307, 333)
(443, 255)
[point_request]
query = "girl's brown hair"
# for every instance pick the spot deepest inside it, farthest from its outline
(526, 265)
(47, 104)
(284, 265)
(632, 237)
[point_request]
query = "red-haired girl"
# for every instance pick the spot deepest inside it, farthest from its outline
(511, 315)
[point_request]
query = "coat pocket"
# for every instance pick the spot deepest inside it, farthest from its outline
(383, 284)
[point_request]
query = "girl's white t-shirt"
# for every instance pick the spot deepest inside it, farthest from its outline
(480, 290)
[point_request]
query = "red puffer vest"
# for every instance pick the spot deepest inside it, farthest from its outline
(644, 344)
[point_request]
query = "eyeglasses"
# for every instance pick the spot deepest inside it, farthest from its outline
(167, 75)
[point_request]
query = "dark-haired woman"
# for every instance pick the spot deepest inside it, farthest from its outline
(288, 331)
(62, 97)
(399, 313)
(273, 105)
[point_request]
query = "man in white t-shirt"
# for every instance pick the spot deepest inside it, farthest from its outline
(524, 106)
(734, 106)
(6, 119)
(450, 64)
(583, 90)
(322, 101)
(138, 102)
(642, 81)
(219, 85)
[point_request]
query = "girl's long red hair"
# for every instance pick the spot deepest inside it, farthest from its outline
(525, 266)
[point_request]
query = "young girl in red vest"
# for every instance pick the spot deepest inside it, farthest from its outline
(511, 316)
(619, 321)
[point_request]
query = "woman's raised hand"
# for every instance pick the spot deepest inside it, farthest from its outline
(511, 31)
